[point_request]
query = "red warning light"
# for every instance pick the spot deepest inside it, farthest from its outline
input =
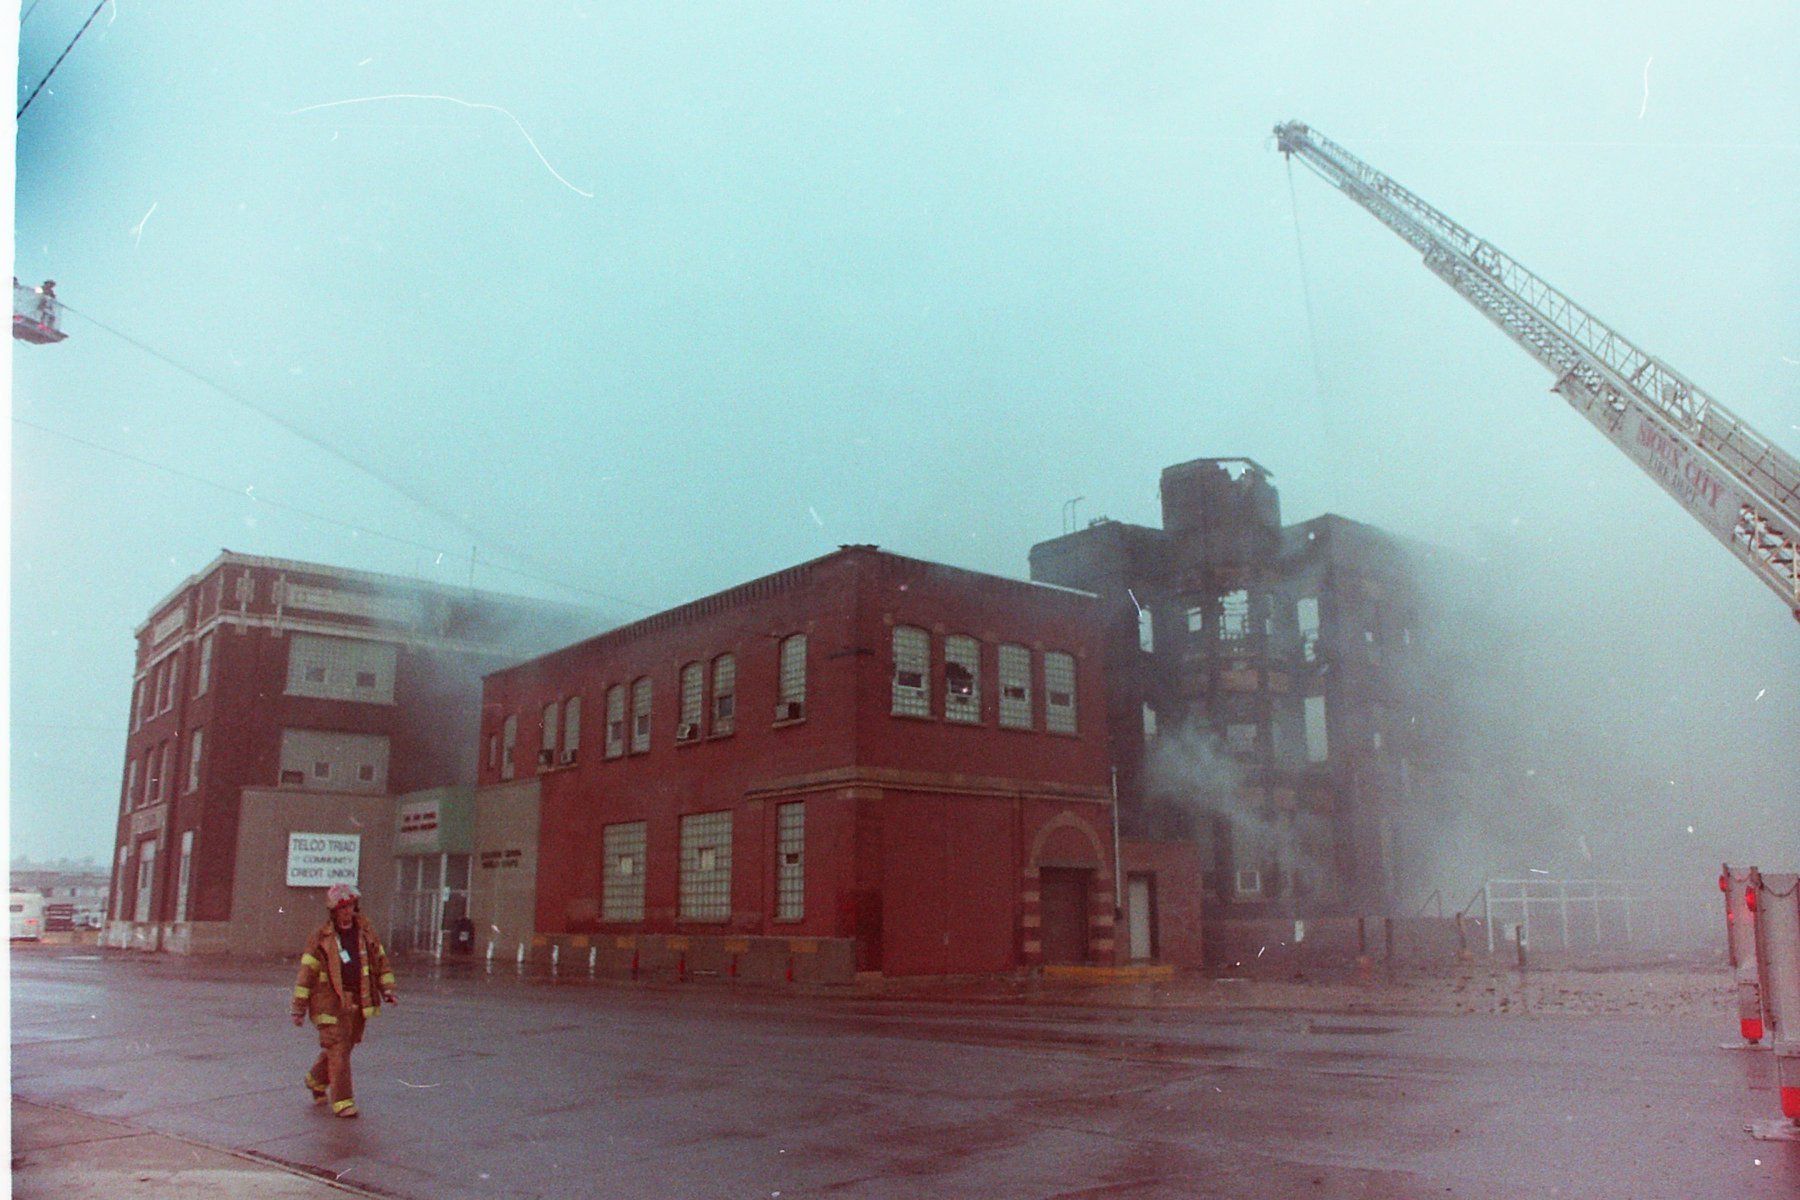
(1724, 883)
(1750, 899)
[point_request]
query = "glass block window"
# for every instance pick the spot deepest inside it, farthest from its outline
(509, 742)
(912, 670)
(640, 715)
(551, 720)
(203, 677)
(792, 700)
(1059, 692)
(962, 679)
(333, 668)
(724, 687)
(706, 867)
(571, 727)
(1317, 747)
(327, 758)
(790, 861)
(615, 720)
(622, 874)
(693, 683)
(1146, 630)
(1234, 615)
(1015, 687)
(193, 772)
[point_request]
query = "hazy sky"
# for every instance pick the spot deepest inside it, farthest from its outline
(700, 291)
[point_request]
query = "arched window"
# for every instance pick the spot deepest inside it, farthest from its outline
(724, 694)
(1059, 692)
(615, 720)
(1015, 687)
(693, 680)
(962, 679)
(791, 702)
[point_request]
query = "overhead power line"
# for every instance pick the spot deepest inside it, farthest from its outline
(412, 494)
(59, 58)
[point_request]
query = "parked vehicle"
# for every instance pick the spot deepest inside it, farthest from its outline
(27, 910)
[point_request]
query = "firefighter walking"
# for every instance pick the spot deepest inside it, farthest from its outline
(344, 978)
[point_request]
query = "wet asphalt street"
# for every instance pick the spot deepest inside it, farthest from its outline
(482, 1085)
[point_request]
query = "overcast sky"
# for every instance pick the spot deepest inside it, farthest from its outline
(641, 301)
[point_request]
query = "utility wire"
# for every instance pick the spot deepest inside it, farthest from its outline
(250, 494)
(59, 58)
(29, 11)
(417, 497)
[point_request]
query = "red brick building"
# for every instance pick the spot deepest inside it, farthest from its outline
(272, 698)
(865, 762)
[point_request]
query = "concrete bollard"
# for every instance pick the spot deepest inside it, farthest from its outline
(1775, 901)
(1740, 935)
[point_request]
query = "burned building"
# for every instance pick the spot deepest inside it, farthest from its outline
(1274, 691)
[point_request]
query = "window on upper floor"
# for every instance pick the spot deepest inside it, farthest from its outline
(640, 714)
(137, 707)
(693, 699)
(493, 751)
(131, 785)
(912, 669)
(203, 676)
(342, 762)
(1318, 747)
(1149, 720)
(1059, 692)
(724, 694)
(153, 765)
(1015, 687)
(174, 683)
(549, 722)
(1306, 613)
(195, 740)
(571, 746)
(791, 700)
(509, 745)
(333, 668)
(1196, 620)
(1234, 615)
(962, 679)
(615, 720)
(1146, 630)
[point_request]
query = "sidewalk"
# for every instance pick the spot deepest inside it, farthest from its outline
(61, 1154)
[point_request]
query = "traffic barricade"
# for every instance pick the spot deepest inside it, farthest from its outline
(1774, 902)
(1740, 933)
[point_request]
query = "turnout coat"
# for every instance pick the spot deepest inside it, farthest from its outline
(319, 989)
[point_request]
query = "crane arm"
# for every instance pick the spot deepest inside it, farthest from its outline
(1743, 488)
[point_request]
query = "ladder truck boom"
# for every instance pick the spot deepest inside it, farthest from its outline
(1743, 488)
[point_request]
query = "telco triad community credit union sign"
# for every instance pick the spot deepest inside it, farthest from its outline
(322, 859)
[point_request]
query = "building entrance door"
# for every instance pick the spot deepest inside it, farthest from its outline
(1064, 905)
(1140, 902)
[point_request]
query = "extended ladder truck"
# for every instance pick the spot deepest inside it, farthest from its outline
(1743, 488)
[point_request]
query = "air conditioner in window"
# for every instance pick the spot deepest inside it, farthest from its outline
(570, 756)
(546, 758)
(790, 710)
(687, 732)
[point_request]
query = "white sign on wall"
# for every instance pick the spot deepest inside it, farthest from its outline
(322, 859)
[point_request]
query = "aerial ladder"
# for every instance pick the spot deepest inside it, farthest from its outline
(1743, 488)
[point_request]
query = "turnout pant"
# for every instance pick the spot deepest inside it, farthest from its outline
(336, 1040)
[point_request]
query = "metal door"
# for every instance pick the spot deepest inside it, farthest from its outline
(1139, 903)
(1064, 903)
